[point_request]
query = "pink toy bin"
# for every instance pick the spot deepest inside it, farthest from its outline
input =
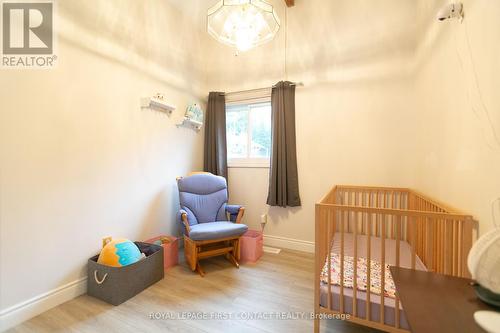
(170, 250)
(251, 243)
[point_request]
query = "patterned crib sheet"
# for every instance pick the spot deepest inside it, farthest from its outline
(375, 276)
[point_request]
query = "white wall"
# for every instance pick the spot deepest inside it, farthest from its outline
(79, 158)
(355, 115)
(457, 80)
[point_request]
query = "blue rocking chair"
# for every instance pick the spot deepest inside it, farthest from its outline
(204, 214)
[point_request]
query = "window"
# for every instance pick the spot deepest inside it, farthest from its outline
(248, 128)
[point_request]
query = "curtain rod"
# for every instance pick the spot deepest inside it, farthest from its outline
(297, 84)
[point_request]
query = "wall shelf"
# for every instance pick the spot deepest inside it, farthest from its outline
(157, 102)
(190, 123)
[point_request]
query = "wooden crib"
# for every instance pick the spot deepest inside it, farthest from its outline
(389, 226)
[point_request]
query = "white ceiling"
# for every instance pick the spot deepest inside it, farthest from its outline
(322, 35)
(353, 24)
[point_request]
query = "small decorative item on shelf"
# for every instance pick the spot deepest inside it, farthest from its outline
(158, 101)
(170, 246)
(193, 117)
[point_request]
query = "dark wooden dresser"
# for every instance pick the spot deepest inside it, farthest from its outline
(435, 303)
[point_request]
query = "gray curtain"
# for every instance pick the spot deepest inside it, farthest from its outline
(215, 152)
(283, 177)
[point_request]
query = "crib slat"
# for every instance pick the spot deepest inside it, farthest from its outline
(455, 248)
(368, 268)
(468, 233)
(382, 273)
(436, 243)
(342, 263)
(442, 245)
(428, 239)
(349, 202)
(437, 263)
(413, 235)
(377, 224)
(370, 203)
(460, 235)
(329, 259)
(445, 247)
(398, 254)
(420, 246)
(356, 203)
(355, 263)
(393, 205)
(437, 250)
(363, 203)
(453, 252)
(319, 248)
(449, 247)
(398, 240)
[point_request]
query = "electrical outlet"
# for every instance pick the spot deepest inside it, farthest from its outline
(263, 218)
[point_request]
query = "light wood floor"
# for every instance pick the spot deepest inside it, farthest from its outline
(277, 283)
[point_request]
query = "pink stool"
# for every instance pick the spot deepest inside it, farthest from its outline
(251, 243)
(170, 250)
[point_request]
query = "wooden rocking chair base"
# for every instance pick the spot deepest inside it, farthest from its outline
(196, 250)
(200, 270)
(232, 259)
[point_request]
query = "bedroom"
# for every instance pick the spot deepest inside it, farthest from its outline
(386, 95)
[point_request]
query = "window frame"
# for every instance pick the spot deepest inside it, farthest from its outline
(249, 162)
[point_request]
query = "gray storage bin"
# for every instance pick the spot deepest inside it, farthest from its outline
(115, 285)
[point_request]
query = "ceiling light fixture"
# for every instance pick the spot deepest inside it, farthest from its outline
(243, 24)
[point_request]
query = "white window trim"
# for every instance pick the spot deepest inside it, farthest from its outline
(248, 163)
(249, 97)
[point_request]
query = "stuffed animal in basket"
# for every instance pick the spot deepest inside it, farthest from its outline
(119, 252)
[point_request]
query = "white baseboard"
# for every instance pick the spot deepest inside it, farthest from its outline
(289, 243)
(30, 308)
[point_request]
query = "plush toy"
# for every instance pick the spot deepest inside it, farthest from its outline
(119, 252)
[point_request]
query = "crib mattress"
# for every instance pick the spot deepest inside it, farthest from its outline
(390, 258)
